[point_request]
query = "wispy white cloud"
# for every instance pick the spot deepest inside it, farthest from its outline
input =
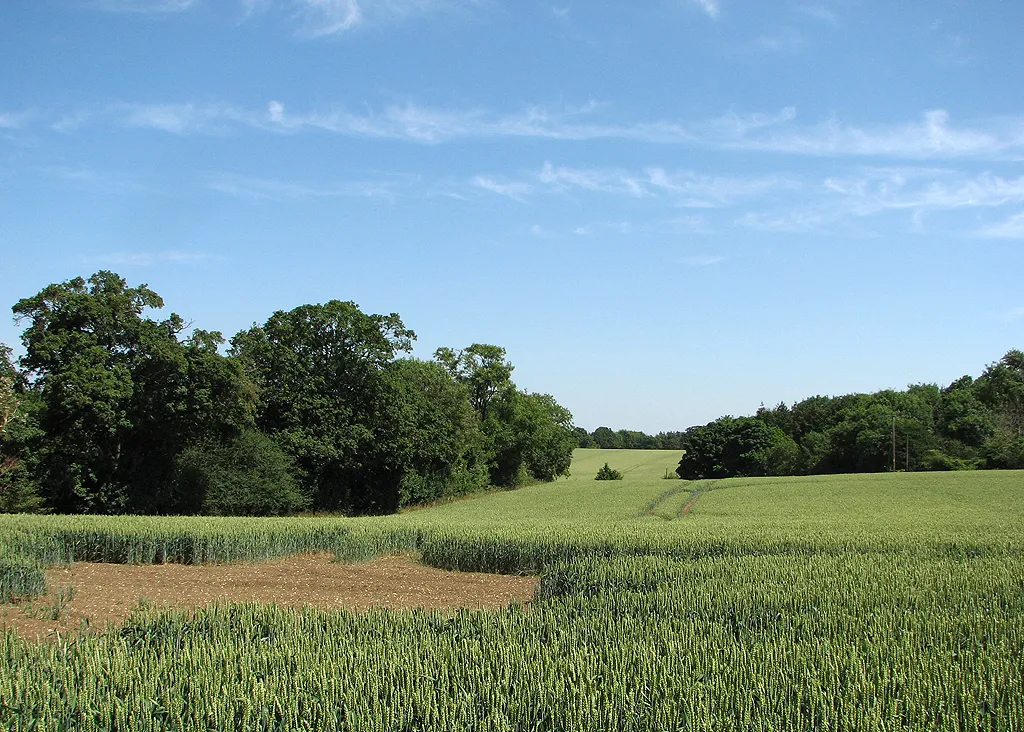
(180, 119)
(694, 190)
(822, 12)
(933, 137)
(310, 18)
(96, 181)
(327, 17)
(952, 46)
(320, 18)
(146, 259)
(515, 189)
(739, 126)
(603, 227)
(1015, 313)
(924, 189)
(683, 225)
(708, 6)
(603, 181)
(787, 222)
(270, 189)
(839, 201)
(14, 120)
(680, 188)
(424, 124)
(1010, 228)
(955, 50)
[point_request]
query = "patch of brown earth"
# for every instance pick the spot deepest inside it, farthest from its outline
(102, 594)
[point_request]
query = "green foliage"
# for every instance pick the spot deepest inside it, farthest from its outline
(9, 398)
(970, 423)
(17, 427)
(1004, 451)
(124, 416)
(324, 397)
(120, 396)
(938, 460)
(526, 436)
(583, 438)
(607, 473)
(482, 368)
(1001, 387)
(729, 447)
(17, 490)
(607, 439)
(248, 476)
(442, 446)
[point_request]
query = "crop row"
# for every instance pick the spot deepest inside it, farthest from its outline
(636, 643)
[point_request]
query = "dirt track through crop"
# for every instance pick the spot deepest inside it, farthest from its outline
(689, 504)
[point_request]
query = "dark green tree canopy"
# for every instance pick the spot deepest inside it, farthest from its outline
(248, 475)
(440, 443)
(1001, 387)
(607, 438)
(526, 436)
(120, 394)
(971, 423)
(482, 368)
(118, 411)
(320, 371)
(742, 447)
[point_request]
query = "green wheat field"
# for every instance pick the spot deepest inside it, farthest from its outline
(854, 602)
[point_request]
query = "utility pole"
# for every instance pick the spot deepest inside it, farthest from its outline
(894, 443)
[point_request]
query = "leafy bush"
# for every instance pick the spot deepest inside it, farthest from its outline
(416, 487)
(607, 473)
(938, 460)
(250, 476)
(17, 491)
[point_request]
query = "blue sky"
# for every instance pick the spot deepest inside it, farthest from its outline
(665, 210)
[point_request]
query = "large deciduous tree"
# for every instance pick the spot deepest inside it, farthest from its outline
(120, 395)
(482, 368)
(441, 446)
(737, 447)
(527, 436)
(1001, 386)
(324, 396)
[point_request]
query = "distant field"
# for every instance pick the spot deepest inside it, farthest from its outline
(858, 602)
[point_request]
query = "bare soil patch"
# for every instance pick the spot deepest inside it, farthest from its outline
(105, 594)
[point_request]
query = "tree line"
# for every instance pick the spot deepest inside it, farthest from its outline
(608, 439)
(110, 410)
(973, 423)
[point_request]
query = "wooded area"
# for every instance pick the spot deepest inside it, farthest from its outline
(969, 424)
(317, 409)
